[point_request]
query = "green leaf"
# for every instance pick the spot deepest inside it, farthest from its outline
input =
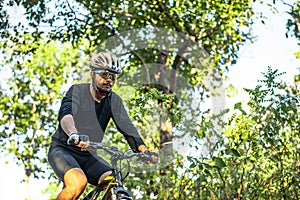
(238, 106)
(219, 162)
(233, 152)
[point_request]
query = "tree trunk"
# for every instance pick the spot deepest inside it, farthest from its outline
(164, 85)
(27, 186)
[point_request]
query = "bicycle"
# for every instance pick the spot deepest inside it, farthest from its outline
(112, 187)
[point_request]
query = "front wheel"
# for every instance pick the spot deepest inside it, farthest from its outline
(121, 194)
(117, 197)
(117, 194)
(123, 197)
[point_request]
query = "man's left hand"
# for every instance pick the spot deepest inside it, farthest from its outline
(153, 156)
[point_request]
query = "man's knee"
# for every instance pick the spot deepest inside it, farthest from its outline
(75, 180)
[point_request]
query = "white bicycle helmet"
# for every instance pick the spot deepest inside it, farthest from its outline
(106, 61)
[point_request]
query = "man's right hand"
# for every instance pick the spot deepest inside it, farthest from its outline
(73, 139)
(81, 141)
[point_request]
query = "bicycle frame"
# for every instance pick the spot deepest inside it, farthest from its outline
(113, 190)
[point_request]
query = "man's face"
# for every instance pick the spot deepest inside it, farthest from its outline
(103, 80)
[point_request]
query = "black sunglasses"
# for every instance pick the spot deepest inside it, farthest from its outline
(106, 74)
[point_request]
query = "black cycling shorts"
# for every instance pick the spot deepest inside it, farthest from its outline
(62, 160)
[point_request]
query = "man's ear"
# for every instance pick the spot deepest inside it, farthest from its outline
(92, 74)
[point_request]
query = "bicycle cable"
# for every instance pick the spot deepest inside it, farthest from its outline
(128, 166)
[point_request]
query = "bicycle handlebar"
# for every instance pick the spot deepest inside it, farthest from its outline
(113, 151)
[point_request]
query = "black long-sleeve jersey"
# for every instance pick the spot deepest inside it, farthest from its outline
(91, 117)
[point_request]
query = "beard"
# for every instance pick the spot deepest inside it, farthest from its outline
(100, 90)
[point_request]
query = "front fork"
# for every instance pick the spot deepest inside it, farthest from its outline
(119, 193)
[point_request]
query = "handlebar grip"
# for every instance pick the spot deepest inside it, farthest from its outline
(75, 137)
(147, 156)
(72, 138)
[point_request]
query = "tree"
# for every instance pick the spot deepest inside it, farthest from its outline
(293, 24)
(259, 156)
(293, 27)
(29, 99)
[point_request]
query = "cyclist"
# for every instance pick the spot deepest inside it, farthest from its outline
(87, 108)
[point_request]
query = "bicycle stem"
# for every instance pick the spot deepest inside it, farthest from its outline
(117, 171)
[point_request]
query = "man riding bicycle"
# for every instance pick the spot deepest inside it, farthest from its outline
(87, 109)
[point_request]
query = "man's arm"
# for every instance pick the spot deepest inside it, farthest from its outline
(68, 125)
(125, 125)
(67, 109)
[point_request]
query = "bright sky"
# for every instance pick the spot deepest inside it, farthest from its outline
(270, 49)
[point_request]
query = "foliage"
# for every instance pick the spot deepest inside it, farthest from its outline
(258, 156)
(51, 190)
(220, 26)
(293, 24)
(29, 99)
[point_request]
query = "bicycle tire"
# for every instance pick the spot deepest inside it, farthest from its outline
(125, 198)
